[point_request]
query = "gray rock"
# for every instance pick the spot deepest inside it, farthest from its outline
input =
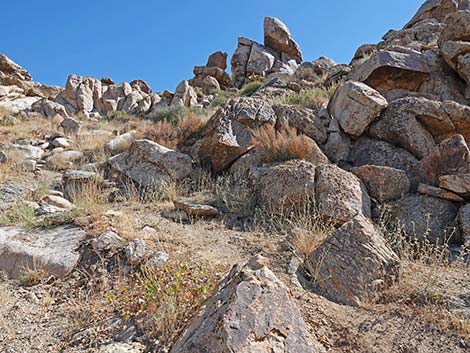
(53, 250)
(157, 259)
(383, 183)
(108, 241)
(424, 217)
(122, 348)
(464, 222)
(354, 264)
(366, 151)
(340, 195)
(74, 181)
(284, 188)
(151, 165)
(120, 143)
(241, 317)
(135, 251)
(26, 151)
(302, 119)
(401, 128)
(277, 36)
(355, 105)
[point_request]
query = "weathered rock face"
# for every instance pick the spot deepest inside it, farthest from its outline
(340, 195)
(302, 119)
(464, 223)
(11, 73)
(230, 131)
(399, 70)
(459, 183)
(280, 54)
(150, 165)
(354, 264)
(436, 9)
(120, 143)
(355, 105)
(402, 129)
(435, 191)
(315, 70)
(383, 183)
(212, 76)
(427, 217)
(277, 36)
(240, 317)
(366, 151)
(184, 95)
(53, 250)
(455, 44)
(450, 157)
(284, 188)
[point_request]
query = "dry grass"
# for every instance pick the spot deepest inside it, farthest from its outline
(310, 98)
(429, 276)
(34, 127)
(171, 134)
(32, 276)
(19, 214)
(89, 201)
(281, 145)
(235, 195)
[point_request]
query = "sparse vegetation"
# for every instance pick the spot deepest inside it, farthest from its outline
(281, 145)
(170, 114)
(310, 98)
(19, 214)
(119, 116)
(32, 276)
(167, 297)
(221, 97)
(235, 195)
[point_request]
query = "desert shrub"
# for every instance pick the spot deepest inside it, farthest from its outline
(19, 214)
(250, 88)
(169, 298)
(310, 98)
(119, 116)
(221, 97)
(89, 200)
(281, 145)
(32, 276)
(235, 194)
(171, 134)
(170, 114)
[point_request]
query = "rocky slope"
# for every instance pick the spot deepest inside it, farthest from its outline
(122, 209)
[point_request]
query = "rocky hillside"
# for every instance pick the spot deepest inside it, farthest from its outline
(290, 206)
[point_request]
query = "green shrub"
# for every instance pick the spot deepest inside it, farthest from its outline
(170, 114)
(310, 97)
(119, 115)
(221, 97)
(250, 88)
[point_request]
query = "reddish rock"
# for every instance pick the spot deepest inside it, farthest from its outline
(439, 193)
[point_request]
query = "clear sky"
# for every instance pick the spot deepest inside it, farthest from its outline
(161, 41)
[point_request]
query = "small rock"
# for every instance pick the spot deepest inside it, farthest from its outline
(438, 192)
(195, 209)
(157, 259)
(58, 201)
(108, 241)
(135, 251)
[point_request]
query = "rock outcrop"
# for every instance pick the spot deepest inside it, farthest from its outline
(240, 316)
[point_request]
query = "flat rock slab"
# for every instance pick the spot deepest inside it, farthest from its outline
(53, 250)
(195, 209)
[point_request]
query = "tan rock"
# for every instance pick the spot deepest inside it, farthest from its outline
(450, 157)
(383, 183)
(340, 195)
(240, 317)
(439, 193)
(277, 36)
(354, 264)
(355, 105)
(459, 183)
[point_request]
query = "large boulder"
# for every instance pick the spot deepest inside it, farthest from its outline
(425, 218)
(354, 264)
(383, 183)
(436, 9)
(150, 165)
(285, 188)
(302, 119)
(455, 44)
(277, 36)
(401, 128)
(120, 143)
(184, 95)
(367, 151)
(250, 311)
(217, 59)
(230, 132)
(11, 73)
(458, 183)
(53, 250)
(464, 222)
(355, 105)
(450, 157)
(389, 71)
(340, 195)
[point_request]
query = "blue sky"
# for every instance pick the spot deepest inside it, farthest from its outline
(161, 41)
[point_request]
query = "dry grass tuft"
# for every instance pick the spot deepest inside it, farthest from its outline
(171, 134)
(281, 145)
(310, 98)
(32, 276)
